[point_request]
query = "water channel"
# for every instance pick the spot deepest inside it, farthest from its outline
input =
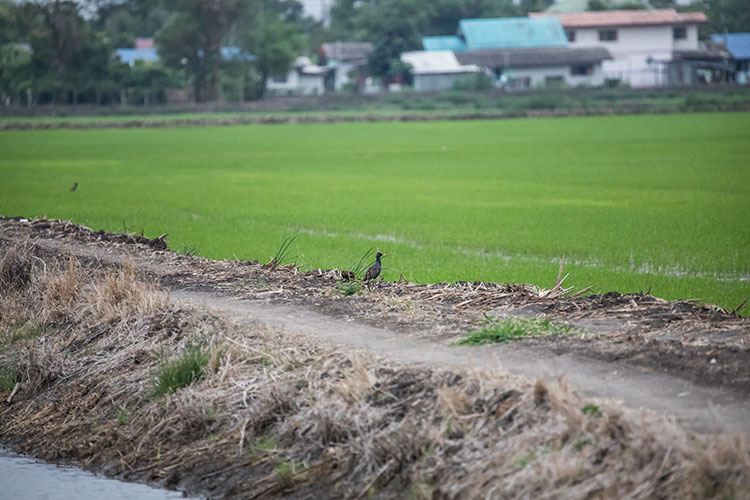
(23, 478)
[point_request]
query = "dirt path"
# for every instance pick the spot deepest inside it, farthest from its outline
(308, 304)
(706, 410)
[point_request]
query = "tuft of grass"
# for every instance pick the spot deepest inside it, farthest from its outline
(9, 379)
(362, 264)
(123, 416)
(496, 330)
(282, 254)
(580, 444)
(590, 409)
(347, 288)
(181, 372)
(285, 473)
(263, 444)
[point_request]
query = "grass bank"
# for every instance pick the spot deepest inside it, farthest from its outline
(629, 202)
(273, 415)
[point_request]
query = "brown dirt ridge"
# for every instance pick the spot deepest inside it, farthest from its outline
(88, 321)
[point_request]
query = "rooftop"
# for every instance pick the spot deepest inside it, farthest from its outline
(624, 18)
(738, 44)
(435, 62)
(512, 32)
(453, 43)
(347, 51)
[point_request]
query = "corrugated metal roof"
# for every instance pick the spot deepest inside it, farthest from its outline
(624, 18)
(512, 32)
(534, 57)
(738, 44)
(453, 43)
(435, 62)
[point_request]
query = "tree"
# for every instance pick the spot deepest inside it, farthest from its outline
(191, 40)
(728, 16)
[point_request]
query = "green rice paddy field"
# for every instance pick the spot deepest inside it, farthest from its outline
(631, 202)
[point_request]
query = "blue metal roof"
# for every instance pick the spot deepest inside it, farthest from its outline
(738, 44)
(512, 32)
(129, 56)
(452, 43)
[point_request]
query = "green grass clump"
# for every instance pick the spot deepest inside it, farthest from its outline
(9, 379)
(181, 372)
(347, 288)
(495, 330)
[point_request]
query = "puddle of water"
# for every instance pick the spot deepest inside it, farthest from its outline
(23, 478)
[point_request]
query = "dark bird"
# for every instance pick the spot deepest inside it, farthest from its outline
(75, 186)
(374, 270)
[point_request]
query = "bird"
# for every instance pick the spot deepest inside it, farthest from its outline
(75, 186)
(374, 270)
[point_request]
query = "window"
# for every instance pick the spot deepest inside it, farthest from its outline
(679, 33)
(279, 78)
(582, 69)
(571, 34)
(607, 35)
(554, 81)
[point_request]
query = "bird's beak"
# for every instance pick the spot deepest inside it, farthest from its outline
(383, 255)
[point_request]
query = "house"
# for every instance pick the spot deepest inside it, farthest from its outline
(738, 44)
(305, 78)
(640, 41)
(436, 69)
(523, 53)
(536, 67)
(347, 61)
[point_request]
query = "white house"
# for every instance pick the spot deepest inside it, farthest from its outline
(305, 78)
(640, 41)
(535, 67)
(436, 69)
(347, 61)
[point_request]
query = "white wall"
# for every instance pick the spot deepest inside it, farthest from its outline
(538, 76)
(632, 49)
(297, 83)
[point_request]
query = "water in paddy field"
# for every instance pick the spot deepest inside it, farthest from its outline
(23, 478)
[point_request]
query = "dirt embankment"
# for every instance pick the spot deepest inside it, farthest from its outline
(269, 414)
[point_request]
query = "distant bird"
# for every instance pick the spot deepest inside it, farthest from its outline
(374, 270)
(75, 186)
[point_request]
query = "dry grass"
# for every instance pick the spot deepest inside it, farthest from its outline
(274, 415)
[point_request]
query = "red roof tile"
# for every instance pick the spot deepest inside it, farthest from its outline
(625, 18)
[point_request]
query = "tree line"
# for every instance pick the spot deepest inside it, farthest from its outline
(62, 51)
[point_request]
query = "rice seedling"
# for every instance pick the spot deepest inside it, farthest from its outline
(496, 330)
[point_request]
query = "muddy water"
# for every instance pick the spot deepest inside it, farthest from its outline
(23, 478)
